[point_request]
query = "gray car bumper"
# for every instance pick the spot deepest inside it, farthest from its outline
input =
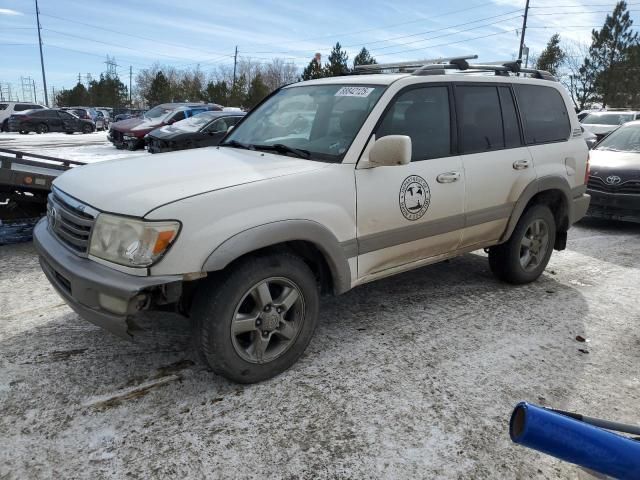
(580, 207)
(87, 286)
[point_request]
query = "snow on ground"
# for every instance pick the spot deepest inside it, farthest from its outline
(409, 377)
(89, 148)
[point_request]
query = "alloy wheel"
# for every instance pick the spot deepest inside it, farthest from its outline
(534, 245)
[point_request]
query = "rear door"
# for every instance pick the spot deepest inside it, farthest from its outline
(70, 123)
(52, 119)
(497, 164)
(408, 213)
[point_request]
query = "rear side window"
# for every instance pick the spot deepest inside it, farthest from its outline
(544, 114)
(21, 107)
(423, 115)
(479, 118)
(3, 106)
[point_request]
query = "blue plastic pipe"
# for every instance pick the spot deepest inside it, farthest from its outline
(575, 442)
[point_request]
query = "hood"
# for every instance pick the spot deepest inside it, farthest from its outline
(171, 131)
(605, 162)
(136, 185)
(138, 126)
(600, 129)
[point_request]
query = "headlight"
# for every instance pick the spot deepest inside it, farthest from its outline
(131, 242)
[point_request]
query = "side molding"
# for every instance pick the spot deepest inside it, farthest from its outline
(335, 253)
(539, 185)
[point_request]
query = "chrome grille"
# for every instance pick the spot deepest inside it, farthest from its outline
(597, 184)
(71, 221)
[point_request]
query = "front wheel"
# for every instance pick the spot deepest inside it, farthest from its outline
(256, 321)
(523, 258)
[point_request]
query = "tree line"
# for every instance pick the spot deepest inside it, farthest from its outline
(604, 72)
(108, 91)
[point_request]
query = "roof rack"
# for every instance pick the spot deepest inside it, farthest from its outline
(439, 66)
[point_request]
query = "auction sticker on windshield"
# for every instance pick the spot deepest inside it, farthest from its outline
(354, 92)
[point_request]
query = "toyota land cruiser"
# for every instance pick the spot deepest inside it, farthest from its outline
(326, 185)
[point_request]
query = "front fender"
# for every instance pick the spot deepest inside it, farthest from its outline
(335, 253)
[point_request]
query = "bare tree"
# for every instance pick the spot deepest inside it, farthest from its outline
(577, 75)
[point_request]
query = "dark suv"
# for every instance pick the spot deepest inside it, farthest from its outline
(130, 133)
(49, 120)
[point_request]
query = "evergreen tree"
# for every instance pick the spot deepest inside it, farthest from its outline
(552, 56)
(363, 58)
(337, 64)
(160, 91)
(313, 70)
(109, 91)
(75, 97)
(217, 92)
(610, 51)
(238, 92)
(257, 91)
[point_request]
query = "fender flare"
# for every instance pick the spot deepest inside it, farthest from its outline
(335, 253)
(532, 189)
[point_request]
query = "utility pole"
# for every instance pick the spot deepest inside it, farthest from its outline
(44, 78)
(35, 98)
(130, 75)
(235, 63)
(524, 28)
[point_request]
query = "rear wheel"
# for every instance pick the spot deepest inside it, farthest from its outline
(523, 258)
(5, 126)
(257, 320)
(42, 128)
(87, 129)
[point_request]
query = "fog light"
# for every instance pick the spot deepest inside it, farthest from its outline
(113, 304)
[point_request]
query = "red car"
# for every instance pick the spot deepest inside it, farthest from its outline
(130, 133)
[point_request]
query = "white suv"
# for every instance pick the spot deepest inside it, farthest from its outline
(326, 185)
(9, 108)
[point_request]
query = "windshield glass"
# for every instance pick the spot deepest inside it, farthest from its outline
(157, 113)
(319, 121)
(194, 123)
(624, 139)
(607, 118)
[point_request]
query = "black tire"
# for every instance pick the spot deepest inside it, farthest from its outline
(42, 128)
(217, 304)
(5, 126)
(506, 260)
(87, 129)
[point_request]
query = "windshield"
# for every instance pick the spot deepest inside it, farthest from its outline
(624, 139)
(607, 118)
(157, 113)
(317, 121)
(194, 123)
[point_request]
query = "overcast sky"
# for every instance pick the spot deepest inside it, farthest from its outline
(79, 34)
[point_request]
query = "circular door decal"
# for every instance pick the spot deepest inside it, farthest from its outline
(415, 197)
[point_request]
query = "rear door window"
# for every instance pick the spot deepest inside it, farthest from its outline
(509, 119)
(544, 114)
(21, 107)
(479, 118)
(3, 106)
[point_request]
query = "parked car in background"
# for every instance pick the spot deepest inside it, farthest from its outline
(100, 122)
(49, 120)
(205, 129)
(614, 182)
(106, 114)
(130, 133)
(9, 108)
(604, 122)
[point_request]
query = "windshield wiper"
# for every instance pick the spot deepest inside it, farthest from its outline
(237, 144)
(282, 148)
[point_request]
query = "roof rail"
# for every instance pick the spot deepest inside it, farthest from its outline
(410, 66)
(439, 66)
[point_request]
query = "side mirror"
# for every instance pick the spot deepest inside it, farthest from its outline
(230, 128)
(390, 150)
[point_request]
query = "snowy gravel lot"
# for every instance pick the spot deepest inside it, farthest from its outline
(410, 377)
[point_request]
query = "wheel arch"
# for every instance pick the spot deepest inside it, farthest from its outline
(315, 243)
(553, 191)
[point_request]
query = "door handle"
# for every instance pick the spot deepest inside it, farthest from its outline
(520, 164)
(448, 177)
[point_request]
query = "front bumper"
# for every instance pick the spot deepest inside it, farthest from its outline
(118, 140)
(614, 206)
(86, 285)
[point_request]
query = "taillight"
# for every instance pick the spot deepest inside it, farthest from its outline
(587, 171)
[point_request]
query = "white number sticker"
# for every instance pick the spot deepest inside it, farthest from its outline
(354, 92)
